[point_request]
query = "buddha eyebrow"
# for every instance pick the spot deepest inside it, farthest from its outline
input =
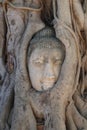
(57, 58)
(37, 59)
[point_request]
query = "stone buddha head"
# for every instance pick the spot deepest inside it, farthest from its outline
(45, 57)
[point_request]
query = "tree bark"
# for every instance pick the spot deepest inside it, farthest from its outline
(66, 108)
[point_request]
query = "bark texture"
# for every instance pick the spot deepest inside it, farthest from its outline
(65, 106)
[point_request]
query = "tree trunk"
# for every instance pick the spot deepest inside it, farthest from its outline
(64, 107)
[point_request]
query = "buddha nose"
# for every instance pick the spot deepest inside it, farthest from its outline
(49, 71)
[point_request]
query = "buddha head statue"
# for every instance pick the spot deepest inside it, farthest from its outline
(45, 57)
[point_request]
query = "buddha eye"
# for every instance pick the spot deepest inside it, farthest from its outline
(57, 62)
(39, 62)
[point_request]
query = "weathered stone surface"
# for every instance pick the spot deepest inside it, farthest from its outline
(43, 65)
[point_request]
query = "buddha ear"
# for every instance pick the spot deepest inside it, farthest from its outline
(69, 71)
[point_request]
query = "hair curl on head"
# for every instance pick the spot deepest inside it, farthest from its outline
(46, 38)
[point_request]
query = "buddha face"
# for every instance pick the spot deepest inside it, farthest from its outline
(44, 67)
